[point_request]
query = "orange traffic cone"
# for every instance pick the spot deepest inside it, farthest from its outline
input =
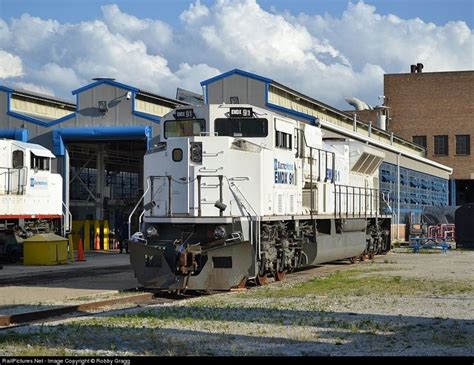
(97, 242)
(80, 251)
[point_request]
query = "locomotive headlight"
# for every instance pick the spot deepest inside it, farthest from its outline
(219, 232)
(196, 151)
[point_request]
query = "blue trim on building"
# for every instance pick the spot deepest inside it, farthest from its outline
(108, 82)
(310, 118)
(40, 122)
(235, 71)
(6, 89)
(62, 135)
(18, 134)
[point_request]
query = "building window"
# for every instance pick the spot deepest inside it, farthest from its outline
(420, 140)
(441, 145)
(463, 144)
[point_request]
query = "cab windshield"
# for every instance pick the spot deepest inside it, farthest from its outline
(184, 128)
(236, 127)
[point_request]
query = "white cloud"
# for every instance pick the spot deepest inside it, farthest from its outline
(10, 65)
(33, 87)
(194, 13)
(64, 79)
(155, 34)
(324, 56)
(191, 76)
(329, 57)
(364, 36)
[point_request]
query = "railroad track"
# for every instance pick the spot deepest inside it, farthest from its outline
(85, 309)
(144, 298)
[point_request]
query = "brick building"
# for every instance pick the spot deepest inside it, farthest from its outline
(436, 110)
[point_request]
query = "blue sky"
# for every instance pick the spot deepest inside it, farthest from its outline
(329, 49)
(436, 11)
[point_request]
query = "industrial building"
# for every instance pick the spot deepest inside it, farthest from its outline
(99, 143)
(435, 110)
(408, 179)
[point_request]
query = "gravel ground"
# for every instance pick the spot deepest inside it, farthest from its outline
(400, 304)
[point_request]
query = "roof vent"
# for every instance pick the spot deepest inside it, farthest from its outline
(103, 78)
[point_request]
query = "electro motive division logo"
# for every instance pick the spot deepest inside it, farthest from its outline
(284, 172)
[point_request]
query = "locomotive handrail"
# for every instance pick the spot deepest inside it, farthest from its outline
(66, 228)
(369, 195)
(134, 209)
(250, 217)
(301, 132)
(199, 178)
(8, 182)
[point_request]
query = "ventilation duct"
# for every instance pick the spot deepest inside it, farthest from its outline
(358, 104)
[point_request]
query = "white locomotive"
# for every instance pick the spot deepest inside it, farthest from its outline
(235, 192)
(30, 194)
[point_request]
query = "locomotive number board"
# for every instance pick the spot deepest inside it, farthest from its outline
(184, 114)
(241, 112)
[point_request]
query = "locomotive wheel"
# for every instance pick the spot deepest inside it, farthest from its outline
(279, 275)
(261, 280)
(353, 259)
(362, 257)
(371, 255)
(242, 283)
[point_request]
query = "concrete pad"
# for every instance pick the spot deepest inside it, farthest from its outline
(61, 290)
(95, 259)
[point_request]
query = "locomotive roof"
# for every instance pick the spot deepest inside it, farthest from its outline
(36, 149)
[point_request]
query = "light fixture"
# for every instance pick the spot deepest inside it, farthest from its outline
(103, 106)
(234, 100)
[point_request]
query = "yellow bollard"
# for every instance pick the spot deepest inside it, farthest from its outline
(96, 233)
(106, 234)
(77, 226)
(71, 247)
(87, 236)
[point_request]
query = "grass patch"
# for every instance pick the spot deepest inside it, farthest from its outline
(358, 283)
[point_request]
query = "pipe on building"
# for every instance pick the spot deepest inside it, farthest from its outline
(18, 134)
(398, 196)
(358, 104)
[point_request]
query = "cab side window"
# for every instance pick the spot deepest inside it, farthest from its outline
(17, 159)
(283, 140)
(39, 163)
